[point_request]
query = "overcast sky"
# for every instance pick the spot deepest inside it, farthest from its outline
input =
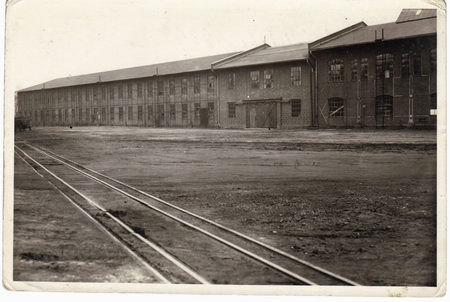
(48, 39)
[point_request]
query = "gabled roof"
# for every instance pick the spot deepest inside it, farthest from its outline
(389, 31)
(416, 14)
(269, 55)
(175, 67)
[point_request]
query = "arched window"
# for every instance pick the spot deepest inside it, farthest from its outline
(336, 107)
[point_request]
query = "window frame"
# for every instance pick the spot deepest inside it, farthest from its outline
(336, 70)
(336, 107)
(231, 110)
(254, 79)
(296, 107)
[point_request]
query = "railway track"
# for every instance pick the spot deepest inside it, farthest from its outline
(175, 245)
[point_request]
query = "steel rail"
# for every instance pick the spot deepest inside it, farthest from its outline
(157, 274)
(224, 228)
(209, 234)
(175, 261)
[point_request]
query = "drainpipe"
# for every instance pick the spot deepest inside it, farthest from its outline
(315, 92)
(217, 96)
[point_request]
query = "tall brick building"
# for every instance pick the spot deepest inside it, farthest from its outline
(382, 75)
(379, 76)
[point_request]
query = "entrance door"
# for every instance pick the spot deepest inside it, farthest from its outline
(262, 115)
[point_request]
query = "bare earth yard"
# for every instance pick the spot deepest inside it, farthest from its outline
(357, 202)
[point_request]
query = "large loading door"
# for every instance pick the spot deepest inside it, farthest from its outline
(261, 115)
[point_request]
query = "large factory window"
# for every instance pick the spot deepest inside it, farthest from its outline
(268, 78)
(171, 87)
(183, 86)
(417, 63)
(336, 70)
(120, 92)
(160, 87)
(231, 81)
(150, 112)
(336, 107)
(296, 107)
(139, 90)
(231, 110)
(130, 91)
(254, 75)
(385, 66)
(172, 111)
(296, 76)
(111, 114)
(210, 83)
(140, 113)
(354, 66)
(197, 85)
(184, 111)
(364, 69)
(405, 65)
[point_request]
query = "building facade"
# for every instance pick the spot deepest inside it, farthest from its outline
(378, 76)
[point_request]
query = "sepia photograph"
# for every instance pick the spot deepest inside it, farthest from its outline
(287, 148)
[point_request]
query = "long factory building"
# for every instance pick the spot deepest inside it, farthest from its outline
(377, 76)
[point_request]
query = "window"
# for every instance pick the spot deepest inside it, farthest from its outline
(183, 86)
(172, 87)
(254, 76)
(336, 70)
(160, 87)
(433, 61)
(354, 66)
(211, 110)
(79, 94)
(296, 107)
(268, 78)
(364, 69)
(150, 89)
(184, 111)
(385, 66)
(66, 114)
(111, 114)
(111, 92)
(196, 85)
(60, 115)
(130, 91)
(197, 110)
(405, 65)
(210, 83)
(88, 114)
(417, 63)
(296, 76)
(150, 112)
(172, 111)
(120, 91)
(80, 115)
(384, 105)
(161, 111)
(120, 114)
(231, 110)
(140, 113)
(336, 107)
(95, 92)
(433, 104)
(139, 90)
(231, 81)
(103, 113)
(130, 113)
(103, 91)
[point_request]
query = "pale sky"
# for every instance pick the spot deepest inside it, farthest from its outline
(48, 39)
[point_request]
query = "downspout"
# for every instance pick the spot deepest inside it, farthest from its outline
(315, 93)
(217, 96)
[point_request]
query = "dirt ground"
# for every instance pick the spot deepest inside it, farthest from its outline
(360, 203)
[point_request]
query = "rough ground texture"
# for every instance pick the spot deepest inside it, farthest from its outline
(359, 203)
